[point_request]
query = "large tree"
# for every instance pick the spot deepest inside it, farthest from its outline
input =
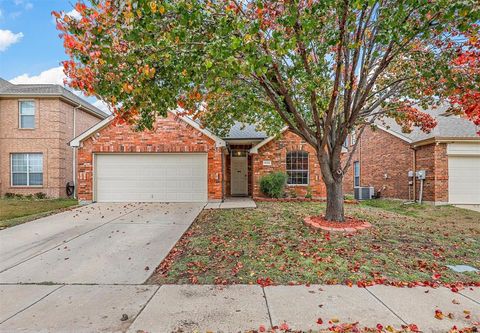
(322, 67)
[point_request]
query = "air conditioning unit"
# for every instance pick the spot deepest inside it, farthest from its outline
(364, 193)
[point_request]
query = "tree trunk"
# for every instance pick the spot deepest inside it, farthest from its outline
(335, 210)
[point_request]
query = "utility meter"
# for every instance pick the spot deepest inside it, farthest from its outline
(420, 174)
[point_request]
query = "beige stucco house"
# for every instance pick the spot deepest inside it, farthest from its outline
(36, 123)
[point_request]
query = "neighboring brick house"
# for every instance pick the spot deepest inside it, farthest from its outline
(450, 155)
(180, 161)
(36, 123)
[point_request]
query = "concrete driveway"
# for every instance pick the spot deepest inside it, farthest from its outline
(96, 244)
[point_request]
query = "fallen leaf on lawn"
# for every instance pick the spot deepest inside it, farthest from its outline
(439, 314)
(390, 328)
(319, 321)
(284, 327)
(454, 301)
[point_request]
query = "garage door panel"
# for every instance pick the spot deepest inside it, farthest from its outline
(151, 177)
(464, 179)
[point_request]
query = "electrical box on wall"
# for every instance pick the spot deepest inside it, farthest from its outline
(410, 174)
(421, 174)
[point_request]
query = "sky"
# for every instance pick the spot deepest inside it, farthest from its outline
(30, 49)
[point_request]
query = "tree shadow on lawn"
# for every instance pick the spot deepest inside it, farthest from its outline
(271, 245)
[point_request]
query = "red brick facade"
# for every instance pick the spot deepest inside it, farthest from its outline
(276, 152)
(384, 164)
(171, 135)
(433, 158)
(385, 161)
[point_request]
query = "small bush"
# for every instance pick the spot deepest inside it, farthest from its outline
(29, 196)
(18, 196)
(309, 195)
(292, 194)
(40, 195)
(273, 184)
(9, 195)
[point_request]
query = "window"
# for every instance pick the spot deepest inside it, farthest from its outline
(27, 114)
(356, 174)
(345, 143)
(27, 169)
(297, 168)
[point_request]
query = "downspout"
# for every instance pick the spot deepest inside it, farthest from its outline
(74, 153)
(414, 180)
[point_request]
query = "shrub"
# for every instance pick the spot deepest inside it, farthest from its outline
(273, 184)
(29, 196)
(9, 195)
(18, 196)
(40, 195)
(309, 195)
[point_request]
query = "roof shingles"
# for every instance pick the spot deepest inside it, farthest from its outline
(50, 90)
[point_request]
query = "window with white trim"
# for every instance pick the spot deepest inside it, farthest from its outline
(356, 174)
(26, 114)
(297, 168)
(27, 169)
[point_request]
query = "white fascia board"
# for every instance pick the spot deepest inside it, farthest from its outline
(254, 149)
(76, 141)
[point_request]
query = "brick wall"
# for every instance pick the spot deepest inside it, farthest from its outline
(276, 152)
(385, 161)
(170, 135)
(384, 164)
(49, 137)
(433, 158)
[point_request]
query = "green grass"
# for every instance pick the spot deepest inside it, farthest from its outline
(407, 243)
(17, 211)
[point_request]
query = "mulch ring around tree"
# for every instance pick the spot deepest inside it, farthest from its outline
(350, 224)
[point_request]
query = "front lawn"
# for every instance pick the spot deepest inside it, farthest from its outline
(16, 211)
(270, 244)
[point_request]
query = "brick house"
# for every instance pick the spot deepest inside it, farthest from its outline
(180, 161)
(450, 155)
(36, 123)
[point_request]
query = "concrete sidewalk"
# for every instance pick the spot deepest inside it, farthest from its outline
(188, 308)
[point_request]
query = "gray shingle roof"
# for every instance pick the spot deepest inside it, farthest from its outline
(49, 90)
(448, 126)
(245, 131)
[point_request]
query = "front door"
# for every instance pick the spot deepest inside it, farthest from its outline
(239, 172)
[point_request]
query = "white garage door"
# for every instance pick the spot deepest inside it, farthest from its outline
(464, 179)
(151, 177)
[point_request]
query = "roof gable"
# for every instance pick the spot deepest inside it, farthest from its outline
(99, 126)
(8, 89)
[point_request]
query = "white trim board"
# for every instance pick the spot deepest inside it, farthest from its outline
(92, 130)
(254, 149)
